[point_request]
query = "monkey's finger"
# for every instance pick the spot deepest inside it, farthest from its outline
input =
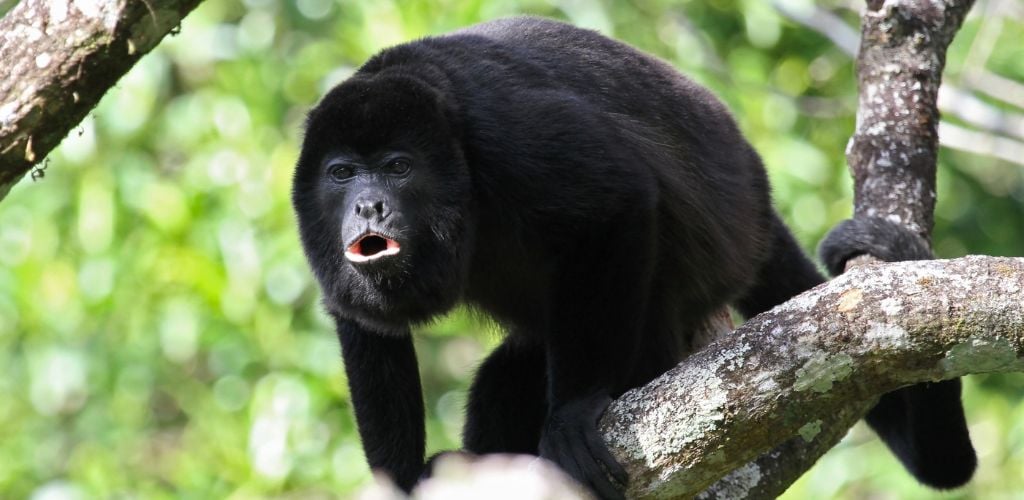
(600, 451)
(592, 472)
(601, 484)
(560, 451)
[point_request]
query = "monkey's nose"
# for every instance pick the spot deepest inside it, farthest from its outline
(371, 209)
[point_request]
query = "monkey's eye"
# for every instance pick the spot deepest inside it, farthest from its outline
(398, 166)
(340, 172)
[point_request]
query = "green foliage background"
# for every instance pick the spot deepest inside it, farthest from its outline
(160, 335)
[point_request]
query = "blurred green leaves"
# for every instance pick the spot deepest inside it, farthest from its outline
(161, 336)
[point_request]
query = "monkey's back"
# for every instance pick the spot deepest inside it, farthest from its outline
(713, 205)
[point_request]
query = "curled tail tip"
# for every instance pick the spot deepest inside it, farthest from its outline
(875, 236)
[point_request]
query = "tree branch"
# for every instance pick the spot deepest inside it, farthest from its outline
(59, 58)
(784, 373)
(899, 69)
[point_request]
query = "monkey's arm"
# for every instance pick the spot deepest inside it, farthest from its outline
(384, 384)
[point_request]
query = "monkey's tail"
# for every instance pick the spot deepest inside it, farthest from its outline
(922, 424)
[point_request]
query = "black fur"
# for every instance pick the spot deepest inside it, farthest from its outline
(585, 195)
(923, 424)
(874, 236)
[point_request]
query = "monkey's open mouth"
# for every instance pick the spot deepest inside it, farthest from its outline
(371, 246)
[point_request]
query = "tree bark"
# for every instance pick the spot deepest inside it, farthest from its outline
(59, 57)
(785, 373)
(899, 68)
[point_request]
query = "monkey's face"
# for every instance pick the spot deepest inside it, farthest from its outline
(382, 196)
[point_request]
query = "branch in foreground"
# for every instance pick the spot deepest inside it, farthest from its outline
(786, 372)
(59, 58)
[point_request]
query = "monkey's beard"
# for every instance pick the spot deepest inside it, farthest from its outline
(421, 281)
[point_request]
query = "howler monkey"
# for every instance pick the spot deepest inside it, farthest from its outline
(585, 195)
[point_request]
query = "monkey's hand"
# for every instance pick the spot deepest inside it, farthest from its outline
(570, 439)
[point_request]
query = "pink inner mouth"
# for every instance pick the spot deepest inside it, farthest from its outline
(371, 246)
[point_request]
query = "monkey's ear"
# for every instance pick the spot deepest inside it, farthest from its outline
(439, 87)
(454, 119)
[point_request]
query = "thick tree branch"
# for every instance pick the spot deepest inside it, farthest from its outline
(59, 58)
(783, 374)
(774, 471)
(899, 69)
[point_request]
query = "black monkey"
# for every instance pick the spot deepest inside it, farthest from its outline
(585, 195)
(922, 424)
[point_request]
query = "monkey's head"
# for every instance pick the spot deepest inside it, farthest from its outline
(383, 198)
